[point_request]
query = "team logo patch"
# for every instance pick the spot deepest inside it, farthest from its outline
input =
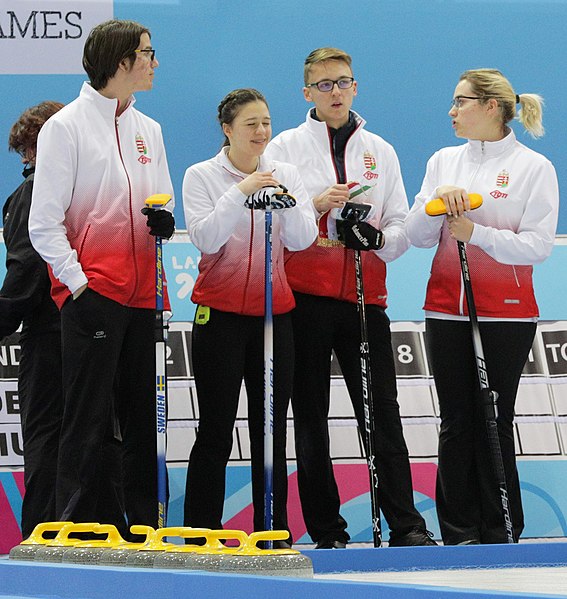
(370, 166)
(142, 149)
(503, 179)
(369, 161)
(497, 194)
(141, 144)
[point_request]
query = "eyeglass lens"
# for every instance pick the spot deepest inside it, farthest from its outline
(326, 85)
(150, 52)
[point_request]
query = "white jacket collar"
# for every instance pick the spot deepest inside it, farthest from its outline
(226, 164)
(487, 149)
(106, 106)
(320, 128)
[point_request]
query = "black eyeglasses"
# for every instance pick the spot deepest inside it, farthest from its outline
(457, 101)
(150, 52)
(326, 85)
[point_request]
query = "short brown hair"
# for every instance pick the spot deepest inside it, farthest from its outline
(24, 132)
(107, 45)
(322, 55)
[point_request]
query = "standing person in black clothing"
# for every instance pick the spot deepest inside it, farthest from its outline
(25, 297)
(99, 159)
(229, 292)
(338, 160)
(511, 232)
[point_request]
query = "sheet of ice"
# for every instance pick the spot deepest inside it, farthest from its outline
(548, 580)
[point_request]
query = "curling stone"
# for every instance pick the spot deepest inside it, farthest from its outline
(88, 553)
(27, 549)
(201, 557)
(54, 550)
(145, 556)
(118, 556)
(253, 561)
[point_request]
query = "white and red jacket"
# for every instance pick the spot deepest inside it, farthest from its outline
(513, 229)
(94, 172)
(231, 236)
(326, 268)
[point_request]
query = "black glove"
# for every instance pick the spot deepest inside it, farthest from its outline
(160, 222)
(276, 200)
(360, 236)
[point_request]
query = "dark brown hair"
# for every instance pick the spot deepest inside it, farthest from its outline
(107, 45)
(232, 103)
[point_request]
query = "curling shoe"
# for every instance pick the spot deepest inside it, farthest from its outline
(417, 536)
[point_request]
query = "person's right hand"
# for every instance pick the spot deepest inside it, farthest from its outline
(333, 197)
(256, 181)
(79, 291)
(456, 199)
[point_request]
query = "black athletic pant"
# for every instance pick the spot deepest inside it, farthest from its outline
(108, 436)
(323, 324)
(467, 497)
(225, 350)
(40, 393)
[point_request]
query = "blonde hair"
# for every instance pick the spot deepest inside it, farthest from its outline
(491, 83)
(322, 55)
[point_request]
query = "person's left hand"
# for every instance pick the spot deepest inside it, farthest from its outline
(360, 235)
(160, 222)
(460, 228)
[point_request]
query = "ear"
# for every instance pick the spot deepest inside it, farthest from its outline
(307, 94)
(124, 65)
(492, 105)
(354, 88)
(226, 129)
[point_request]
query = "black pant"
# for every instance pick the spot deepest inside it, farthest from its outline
(40, 392)
(321, 325)
(225, 350)
(107, 454)
(467, 497)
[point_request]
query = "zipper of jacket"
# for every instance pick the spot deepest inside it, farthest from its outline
(132, 237)
(250, 247)
(333, 160)
(338, 180)
(462, 292)
(332, 149)
(250, 258)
